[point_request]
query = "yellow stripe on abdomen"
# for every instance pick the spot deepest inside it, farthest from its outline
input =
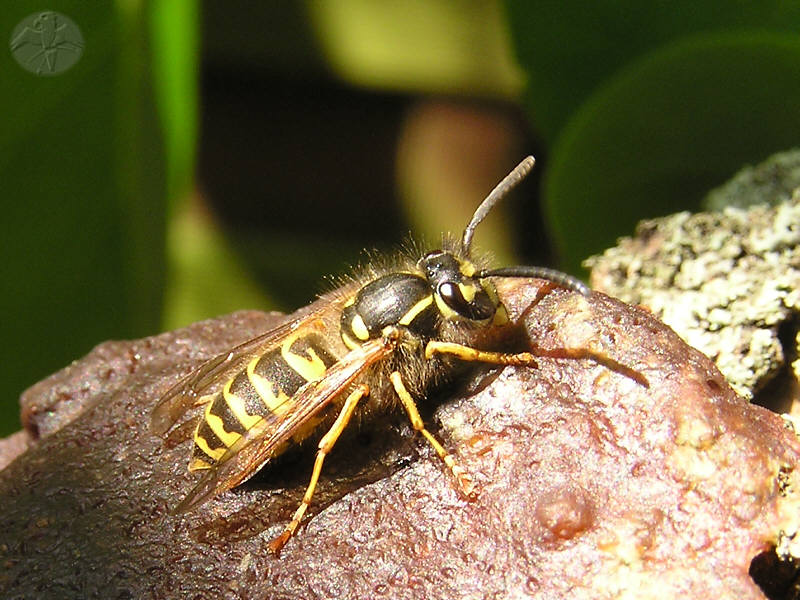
(309, 368)
(277, 404)
(218, 427)
(237, 407)
(264, 389)
(213, 453)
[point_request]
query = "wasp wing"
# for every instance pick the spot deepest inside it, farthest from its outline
(212, 374)
(184, 395)
(258, 444)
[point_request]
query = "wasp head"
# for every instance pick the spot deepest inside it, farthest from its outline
(458, 290)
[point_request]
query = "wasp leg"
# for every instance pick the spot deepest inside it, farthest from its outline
(463, 478)
(525, 359)
(325, 445)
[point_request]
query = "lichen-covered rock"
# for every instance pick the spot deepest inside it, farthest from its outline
(728, 283)
(770, 182)
(623, 467)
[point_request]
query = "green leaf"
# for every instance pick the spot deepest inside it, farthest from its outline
(667, 129)
(175, 39)
(569, 48)
(84, 170)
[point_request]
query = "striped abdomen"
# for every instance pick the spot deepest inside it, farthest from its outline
(265, 387)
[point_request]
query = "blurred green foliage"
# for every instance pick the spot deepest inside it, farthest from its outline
(425, 46)
(674, 124)
(88, 160)
(570, 49)
(645, 106)
(641, 108)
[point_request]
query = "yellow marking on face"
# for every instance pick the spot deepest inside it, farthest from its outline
(468, 291)
(489, 288)
(447, 312)
(217, 425)
(310, 369)
(275, 404)
(236, 405)
(349, 342)
(467, 268)
(214, 454)
(350, 302)
(415, 310)
(500, 315)
(358, 327)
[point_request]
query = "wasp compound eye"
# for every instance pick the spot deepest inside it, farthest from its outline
(467, 299)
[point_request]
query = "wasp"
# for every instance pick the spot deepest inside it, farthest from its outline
(389, 336)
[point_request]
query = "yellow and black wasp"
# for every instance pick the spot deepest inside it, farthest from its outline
(391, 334)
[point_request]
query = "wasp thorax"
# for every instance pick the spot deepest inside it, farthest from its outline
(402, 299)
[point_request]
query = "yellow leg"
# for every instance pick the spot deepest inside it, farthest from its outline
(525, 359)
(325, 445)
(463, 478)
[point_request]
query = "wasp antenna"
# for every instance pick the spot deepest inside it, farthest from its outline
(498, 193)
(563, 279)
